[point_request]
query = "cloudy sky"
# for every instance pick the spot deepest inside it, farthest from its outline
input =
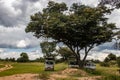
(14, 17)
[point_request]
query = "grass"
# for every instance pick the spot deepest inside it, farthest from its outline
(93, 72)
(20, 68)
(108, 73)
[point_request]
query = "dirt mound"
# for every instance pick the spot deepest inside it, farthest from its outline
(72, 71)
(68, 73)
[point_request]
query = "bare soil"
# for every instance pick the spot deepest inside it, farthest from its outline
(20, 77)
(6, 67)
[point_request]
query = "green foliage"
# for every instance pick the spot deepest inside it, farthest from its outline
(80, 27)
(104, 64)
(23, 57)
(48, 48)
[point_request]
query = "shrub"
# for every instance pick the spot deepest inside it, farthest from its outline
(104, 64)
(44, 76)
(93, 72)
(112, 62)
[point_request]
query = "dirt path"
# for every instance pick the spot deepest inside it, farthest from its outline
(67, 73)
(90, 78)
(20, 77)
(6, 67)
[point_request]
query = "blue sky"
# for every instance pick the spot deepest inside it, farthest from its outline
(14, 17)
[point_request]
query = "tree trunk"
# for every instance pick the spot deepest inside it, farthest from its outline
(80, 62)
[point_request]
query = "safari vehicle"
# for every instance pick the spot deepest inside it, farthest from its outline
(90, 65)
(49, 64)
(72, 63)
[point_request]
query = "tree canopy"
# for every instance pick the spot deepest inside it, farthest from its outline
(79, 27)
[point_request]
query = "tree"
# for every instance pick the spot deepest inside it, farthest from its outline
(23, 57)
(48, 48)
(79, 28)
(65, 53)
(110, 57)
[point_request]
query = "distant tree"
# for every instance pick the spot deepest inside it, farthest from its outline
(41, 59)
(23, 57)
(110, 57)
(6, 59)
(79, 27)
(12, 59)
(106, 59)
(48, 48)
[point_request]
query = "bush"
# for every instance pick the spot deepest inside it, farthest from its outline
(112, 62)
(104, 64)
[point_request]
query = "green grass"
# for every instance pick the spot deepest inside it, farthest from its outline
(20, 68)
(108, 73)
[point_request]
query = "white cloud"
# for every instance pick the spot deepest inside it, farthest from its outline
(15, 37)
(22, 44)
(1, 50)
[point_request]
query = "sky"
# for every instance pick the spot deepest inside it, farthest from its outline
(14, 17)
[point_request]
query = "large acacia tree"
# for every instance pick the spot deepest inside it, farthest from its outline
(79, 27)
